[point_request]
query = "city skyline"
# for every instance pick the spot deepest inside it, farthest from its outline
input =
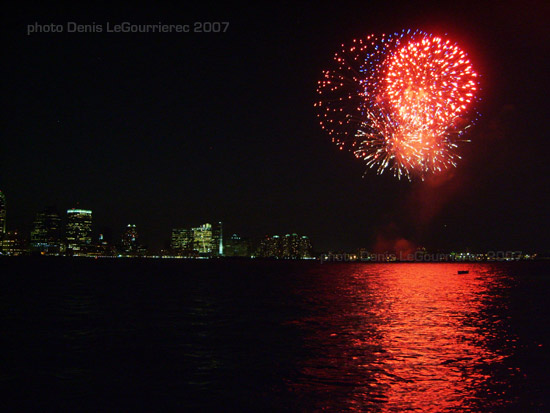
(75, 234)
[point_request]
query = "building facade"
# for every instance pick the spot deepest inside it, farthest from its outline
(79, 229)
(129, 240)
(236, 246)
(217, 240)
(12, 244)
(202, 239)
(181, 242)
(291, 246)
(46, 233)
(305, 249)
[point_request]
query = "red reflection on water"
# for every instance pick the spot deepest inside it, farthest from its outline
(400, 337)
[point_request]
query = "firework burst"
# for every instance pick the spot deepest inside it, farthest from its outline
(400, 102)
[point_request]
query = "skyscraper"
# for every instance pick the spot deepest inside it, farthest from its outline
(305, 247)
(2, 214)
(291, 246)
(130, 239)
(46, 232)
(182, 241)
(79, 229)
(205, 241)
(217, 240)
(202, 239)
(270, 247)
(236, 247)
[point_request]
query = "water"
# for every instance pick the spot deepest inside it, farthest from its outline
(296, 336)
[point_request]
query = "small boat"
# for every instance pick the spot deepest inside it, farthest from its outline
(463, 272)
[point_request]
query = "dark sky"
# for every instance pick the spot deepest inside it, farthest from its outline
(170, 130)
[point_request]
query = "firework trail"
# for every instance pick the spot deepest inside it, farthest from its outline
(400, 102)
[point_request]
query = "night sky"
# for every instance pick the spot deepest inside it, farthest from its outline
(174, 130)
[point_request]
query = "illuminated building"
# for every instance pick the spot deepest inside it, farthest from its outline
(46, 232)
(275, 247)
(182, 241)
(130, 239)
(12, 244)
(205, 240)
(291, 246)
(2, 214)
(217, 240)
(236, 247)
(79, 229)
(202, 239)
(304, 247)
(104, 248)
(270, 247)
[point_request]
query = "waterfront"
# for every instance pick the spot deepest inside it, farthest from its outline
(278, 335)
